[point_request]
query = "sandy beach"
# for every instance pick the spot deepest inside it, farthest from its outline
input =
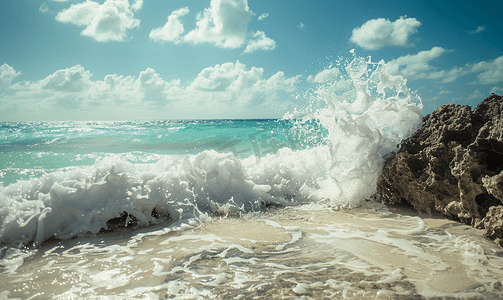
(310, 252)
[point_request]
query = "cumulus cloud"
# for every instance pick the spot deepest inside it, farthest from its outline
(173, 28)
(109, 21)
(222, 91)
(70, 80)
(490, 71)
(7, 74)
(137, 5)
(479, 29)
(224, 23)
(417, 66)
(114, 89)
(326, 75)
(232, 84)
(301, 25)
(378, 33)
(263, 16)
(65, 87)
(153, 88)
(259, 41)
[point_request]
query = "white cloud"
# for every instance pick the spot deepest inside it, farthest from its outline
(232, 84)
(81, 14)
(70, 80)
(477, 95)
(60, 0)
(227, 90)
(263, 16)
(417, 66)
(492, 71)
(224, 23)
(64, 88)
(43, 8)
(259, 41)
(497, 90)
(153, 88)
(479, 29)
(137, 5)
(447, 76)
(445, 92)
(67, 86)
(441, 95)
(378, 33)
(327, 75)
(71, 88)
(7, 74)
(105, 22)
(217, 78)
(114, 89)
(173, 28)
(301, 25)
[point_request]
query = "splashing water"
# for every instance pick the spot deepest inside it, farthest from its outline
(364, 131)
(366, 114)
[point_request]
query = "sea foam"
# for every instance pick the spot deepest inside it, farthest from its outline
(365, 121)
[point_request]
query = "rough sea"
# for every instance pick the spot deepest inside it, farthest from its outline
(220, 209)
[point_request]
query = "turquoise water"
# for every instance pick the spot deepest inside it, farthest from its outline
(29, 149)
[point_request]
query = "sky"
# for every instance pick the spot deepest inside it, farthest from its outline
(232, 59)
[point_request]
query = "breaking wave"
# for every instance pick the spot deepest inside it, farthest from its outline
(365, 113)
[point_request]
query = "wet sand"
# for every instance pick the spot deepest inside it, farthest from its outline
(309, 252)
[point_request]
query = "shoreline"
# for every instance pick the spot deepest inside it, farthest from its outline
(301, 251)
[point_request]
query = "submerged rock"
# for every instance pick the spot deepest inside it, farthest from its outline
(453, 165)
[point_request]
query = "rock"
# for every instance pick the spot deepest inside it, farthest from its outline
(453, 165)
(493, 224)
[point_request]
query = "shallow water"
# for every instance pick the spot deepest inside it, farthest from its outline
(307, 252)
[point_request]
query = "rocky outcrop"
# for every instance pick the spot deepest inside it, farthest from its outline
(453, 165)
(493, 223)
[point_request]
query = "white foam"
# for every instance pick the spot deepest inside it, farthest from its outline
(363, 130)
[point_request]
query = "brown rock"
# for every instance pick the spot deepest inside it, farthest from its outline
(494, 185)
(493, 223)
(453, 164)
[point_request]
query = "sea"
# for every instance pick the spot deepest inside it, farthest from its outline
(232, 209)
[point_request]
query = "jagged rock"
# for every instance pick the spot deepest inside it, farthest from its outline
(494, 185)
(493, 224)
(453, 165)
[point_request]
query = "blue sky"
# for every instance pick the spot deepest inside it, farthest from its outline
(144, 59)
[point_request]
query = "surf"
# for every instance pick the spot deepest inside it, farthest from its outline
(335, 157)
